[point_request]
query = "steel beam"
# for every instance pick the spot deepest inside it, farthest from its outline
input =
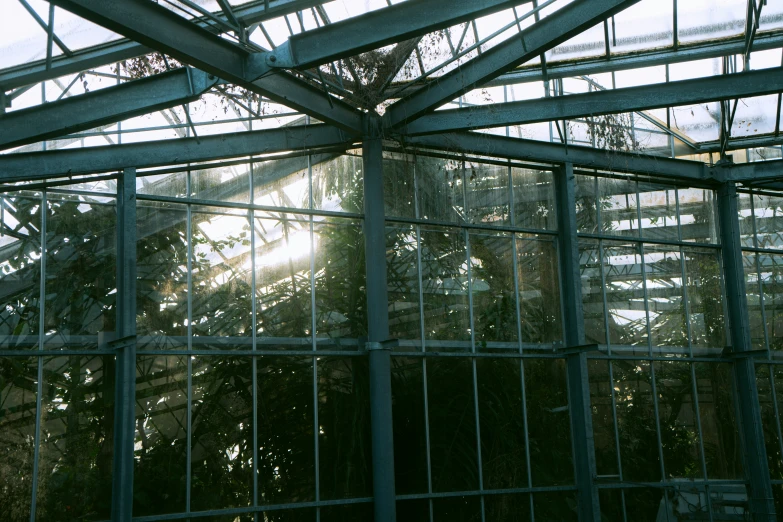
(104, 106)
(758, 171)
(687, 92)
(762, 506)
(161, 29)
(582, 440)
(377, 28)
(88, 160)
(694, 172)
(554, 29)
(112, 52)
(378, 328)
(125, 344)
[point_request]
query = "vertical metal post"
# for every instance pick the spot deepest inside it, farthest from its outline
(378, 327)
(576, 364)
(125, 388)
(762, 506)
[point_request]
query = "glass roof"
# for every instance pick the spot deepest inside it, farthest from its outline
(645, 28)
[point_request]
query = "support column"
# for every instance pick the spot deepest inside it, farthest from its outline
(583, 443)
(125, 345)
(761, 503)
(378, 329)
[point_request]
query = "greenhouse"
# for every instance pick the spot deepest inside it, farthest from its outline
(391, 260)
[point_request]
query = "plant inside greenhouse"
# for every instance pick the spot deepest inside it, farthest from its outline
(391, 260)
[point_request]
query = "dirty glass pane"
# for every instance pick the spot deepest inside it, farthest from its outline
(534, 199)
(539, 291)
(492, 285)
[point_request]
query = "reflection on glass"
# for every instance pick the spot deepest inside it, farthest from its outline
(534, 199)
(453, 449)
(75, 461)
(399, 186)
(410, 431)
(338, 186)
(340, 299)
(487, 194)
(636, 421)
(539, 291)
(771, 277)
(624, 286)
(18, 385)
(20, 272)
(221, 276)
(283, 286)
(722, 449)
(227, 183)
(679, 434)
(768, 212)
(705, 298)
(492, 285)
(658, 207)
(586, 204)
(445, 287)
(592, 291)
(666, 300)
(549, 424)
(344, 428)
(286, 445)
(501, 423)
(161, 280)
(440, 189)
(754, 296)
(618, 207)
(402, 276)
(221, 454)
(603, 419)
(80, 270)
(159, 474)
(698, 215)
(283, 182)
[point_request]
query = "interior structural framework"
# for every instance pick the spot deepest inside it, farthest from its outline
(420, 260)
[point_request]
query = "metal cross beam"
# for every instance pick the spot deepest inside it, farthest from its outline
(161, 29)
(540, 37)
(378, 28)
(531, 150)
(43, 165)
(104, 106)
(755, 83)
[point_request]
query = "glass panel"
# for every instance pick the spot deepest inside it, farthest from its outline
(283, 298)
(222, 433)
(746, 219)
(663, 279)
(679, 433)
(340, 301)
(174, 185)
(445, 288)
(592, 292)
(769, 420)
(502, 423)
(456, 509)
(625, 297)
(344, 428)
(81, 270)
(603, 419)
(618, 207)
(402, 275)
(494, 306)
(286, 447)
(439, 187)
(161, 435)
(18, 387)
(413, 510)
(705, 299)
(754, 295)
(410, 431)
(539, 291)
(75, 461)
(709, 19)
(658, 205)
(636, 421)
(453, 449)
(487, 194)
(507, 508)
(698, 215)
(722, 450)
(338, 186)
(768, 211)
(534, 199)
(771, 277)
(549, 424)
(398, 188)
(20, 274)
(586, 201)
(230, 183)
(611, 501)
(346, 512)
(644, 504)
(555, 505)
(161, 280)
(283, 182)
(221, 279)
